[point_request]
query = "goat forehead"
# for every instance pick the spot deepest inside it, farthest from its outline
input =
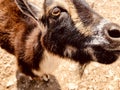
(66, 4)
(71, 7)
(53, 3)
(78, 11)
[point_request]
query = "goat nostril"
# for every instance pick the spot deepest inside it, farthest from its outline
(114, 33)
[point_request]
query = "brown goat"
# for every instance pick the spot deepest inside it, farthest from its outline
(35, 31)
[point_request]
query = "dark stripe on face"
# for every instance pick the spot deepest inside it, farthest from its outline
(83, 12)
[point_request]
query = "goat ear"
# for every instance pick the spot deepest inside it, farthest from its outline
(32, 8)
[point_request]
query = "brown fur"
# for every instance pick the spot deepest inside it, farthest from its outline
(28, 36)
(14, 28)
(11, 22)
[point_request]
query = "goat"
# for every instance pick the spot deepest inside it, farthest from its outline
(35, 31)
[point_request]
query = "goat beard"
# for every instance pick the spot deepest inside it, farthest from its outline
(82, 69)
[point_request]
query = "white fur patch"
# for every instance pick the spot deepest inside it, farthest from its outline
(48, 64)
(98, 37)
(102, 24)
(51, 64)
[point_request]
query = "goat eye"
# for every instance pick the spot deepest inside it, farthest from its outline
(56, 12)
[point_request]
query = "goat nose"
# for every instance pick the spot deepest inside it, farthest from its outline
(112, 32)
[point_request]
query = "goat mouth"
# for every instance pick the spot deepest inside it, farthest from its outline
(113, 47)
(105, 56)
(114, 50)
(106, 45)
(107, 48)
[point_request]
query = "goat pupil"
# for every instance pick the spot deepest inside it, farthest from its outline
(56, 12)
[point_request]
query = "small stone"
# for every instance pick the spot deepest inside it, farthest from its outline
(72, 86)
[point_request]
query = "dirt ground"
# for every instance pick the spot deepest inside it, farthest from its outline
(96, 76)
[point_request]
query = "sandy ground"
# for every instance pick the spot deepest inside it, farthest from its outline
(95, 77)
